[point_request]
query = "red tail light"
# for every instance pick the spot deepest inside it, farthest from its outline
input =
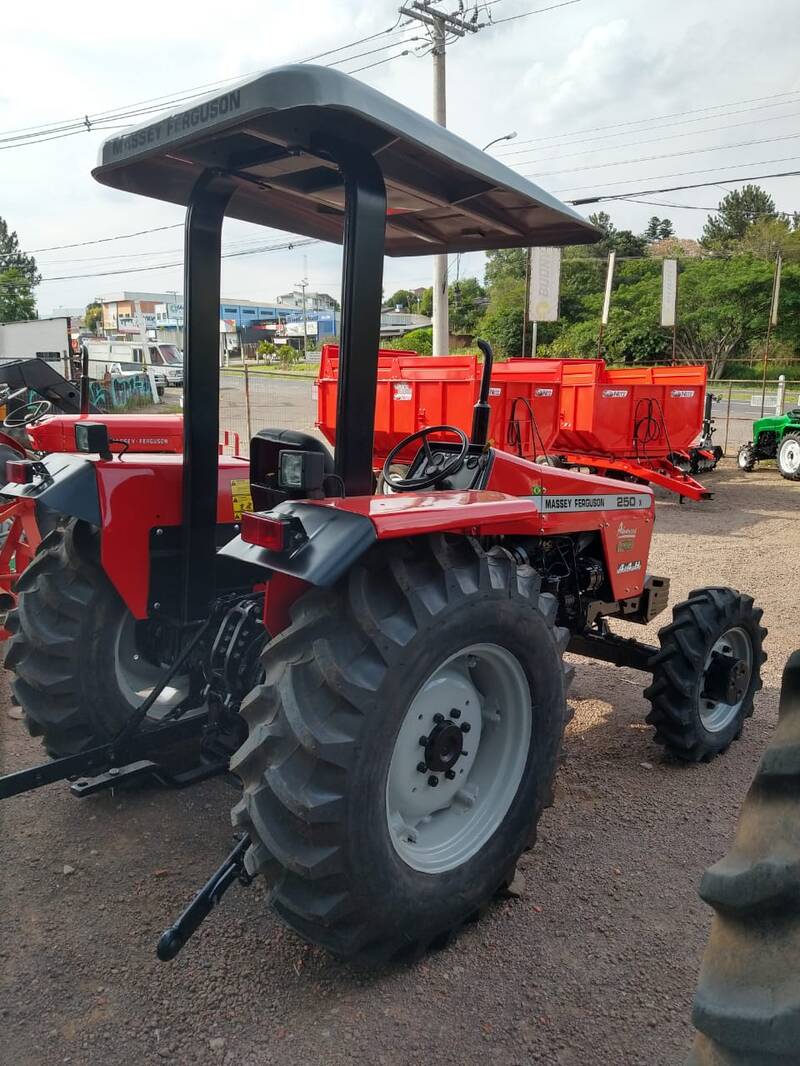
(19, 471)
(266, 531)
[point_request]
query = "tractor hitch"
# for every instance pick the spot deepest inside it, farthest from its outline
(105, 762)
(232, 869)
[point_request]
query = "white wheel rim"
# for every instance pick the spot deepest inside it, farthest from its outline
(438, 828)
(136, 677)
(744, 458)
(716, 714)
(789, 458)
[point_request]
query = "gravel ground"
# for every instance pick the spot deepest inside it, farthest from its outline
(595, 964)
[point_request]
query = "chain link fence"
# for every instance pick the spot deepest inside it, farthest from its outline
(738, 403)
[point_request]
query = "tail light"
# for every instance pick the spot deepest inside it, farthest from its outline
(19, 471)
(276, 533)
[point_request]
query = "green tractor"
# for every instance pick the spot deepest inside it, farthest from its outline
(775, 437)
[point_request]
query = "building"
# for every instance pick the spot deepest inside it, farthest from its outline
(315, 301)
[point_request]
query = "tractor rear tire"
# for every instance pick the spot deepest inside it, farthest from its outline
(709, 632)
(335, 727)
(747, 1003)
(64, 649)
(788, 456)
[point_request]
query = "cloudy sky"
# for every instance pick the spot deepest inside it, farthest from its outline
(605, 96)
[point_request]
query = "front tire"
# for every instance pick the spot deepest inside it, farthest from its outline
(332, 793)
(706, 674)
(789, 456)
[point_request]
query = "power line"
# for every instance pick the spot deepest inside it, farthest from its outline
(535, 11)
(664, 155)
(657, 118)
(678, 188)
(21, 137)
(635, 144)
(301, 242)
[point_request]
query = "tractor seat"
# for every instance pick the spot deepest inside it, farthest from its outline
(264, 449)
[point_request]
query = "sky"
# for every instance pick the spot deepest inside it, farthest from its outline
(604, 95)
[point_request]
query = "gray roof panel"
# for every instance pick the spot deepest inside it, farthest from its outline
(444, 194)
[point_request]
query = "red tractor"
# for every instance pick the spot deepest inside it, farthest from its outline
(384, 673)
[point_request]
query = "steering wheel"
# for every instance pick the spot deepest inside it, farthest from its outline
(27, 414)
(436, 467)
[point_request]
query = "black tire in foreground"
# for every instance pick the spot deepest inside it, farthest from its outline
(747, 1004)
(706, 673)
(788, 457)
(63, 648)
(337, 716)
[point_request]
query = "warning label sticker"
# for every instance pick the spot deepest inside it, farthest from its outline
(240, 496)
(402, 390)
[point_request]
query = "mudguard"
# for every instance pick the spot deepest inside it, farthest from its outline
(70, 489)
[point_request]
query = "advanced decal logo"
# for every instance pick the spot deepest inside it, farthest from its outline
(629, 568)
(682, 394)
(186, 120)
(615, 394)
(543, 392)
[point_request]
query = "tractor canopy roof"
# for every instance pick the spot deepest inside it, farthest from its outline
(444, 195)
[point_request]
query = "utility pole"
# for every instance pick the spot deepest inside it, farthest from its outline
(439, 25)
(303, 286)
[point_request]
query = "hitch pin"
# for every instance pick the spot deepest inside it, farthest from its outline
(232, 869)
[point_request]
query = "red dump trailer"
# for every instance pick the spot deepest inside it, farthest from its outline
(639, 423)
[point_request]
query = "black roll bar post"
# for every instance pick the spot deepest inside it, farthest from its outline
(362, 294)
(205, 214)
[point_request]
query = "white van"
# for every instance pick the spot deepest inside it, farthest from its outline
(124, 357)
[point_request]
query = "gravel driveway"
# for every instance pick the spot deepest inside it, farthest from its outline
(595, 964)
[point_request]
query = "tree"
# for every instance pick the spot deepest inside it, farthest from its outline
(11, 258)
(426, 303)
(768, 237)
(417, 340)
(403, 299)
(467, 302)
(737, 210)
(93, 316)
(504, 263)
(622, 241)
(658, 229)
(17, 302)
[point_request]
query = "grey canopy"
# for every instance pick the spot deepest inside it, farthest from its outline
(443, 194)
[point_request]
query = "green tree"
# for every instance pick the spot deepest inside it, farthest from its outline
(17, 302)
(658, 229)
(503, 264)
(467, 302)
(403, 299)
(426, 303)
(736, 212)
(768, 237)
(12, 258)
(93, 316)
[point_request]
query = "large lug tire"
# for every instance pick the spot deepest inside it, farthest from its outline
(335, 729)
(746, 458)
(747, 1004)
(788, 456)
(77, 674)
(700, 697)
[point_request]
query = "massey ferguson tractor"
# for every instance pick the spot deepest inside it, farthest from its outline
(382, 673)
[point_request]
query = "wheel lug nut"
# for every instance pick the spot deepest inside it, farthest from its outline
(433, 780)
(455, 713)
(449, 774)
(465, 727)
(438, 718)
(423, 769)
